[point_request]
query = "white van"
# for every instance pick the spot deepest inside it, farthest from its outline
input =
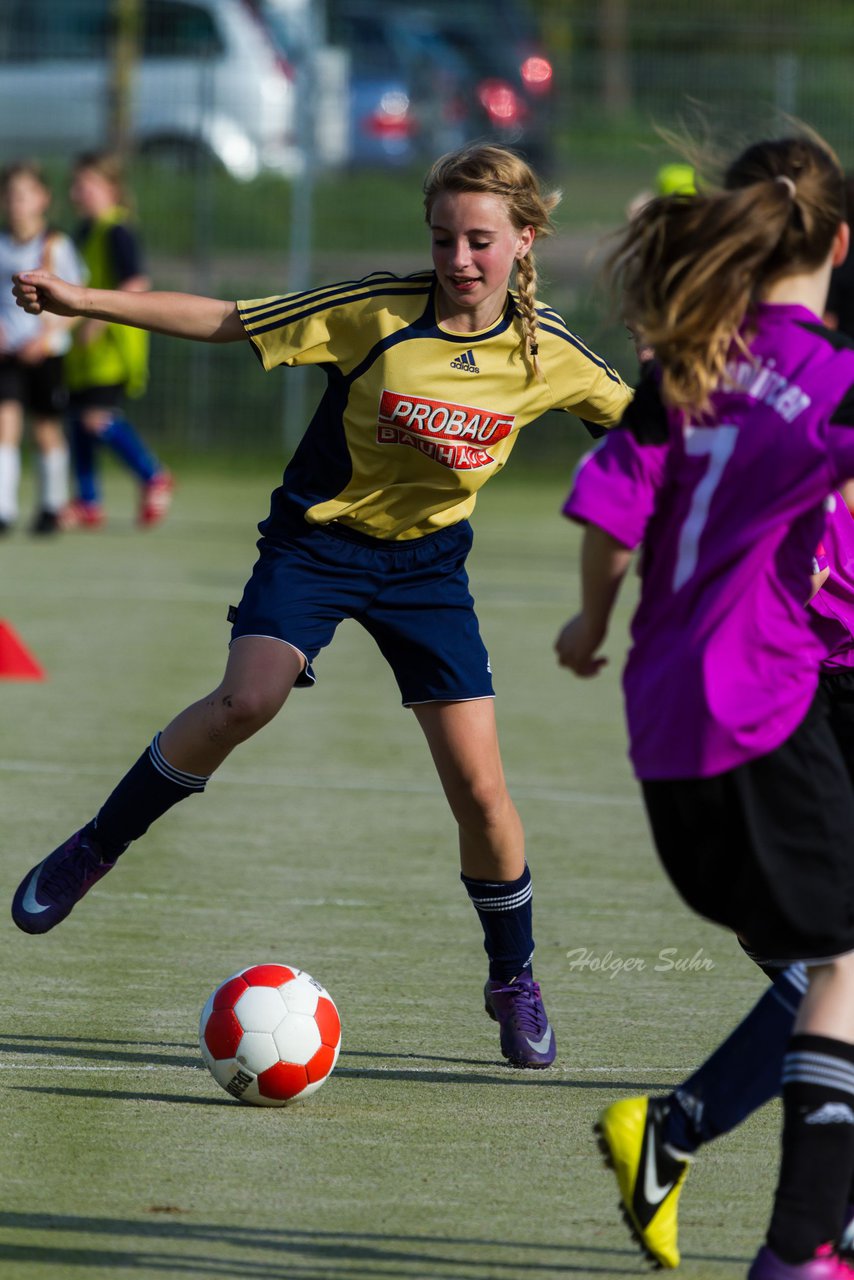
(210, 77)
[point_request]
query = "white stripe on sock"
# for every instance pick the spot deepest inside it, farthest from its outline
(192, 781)
(819, 1068)
(508, 903)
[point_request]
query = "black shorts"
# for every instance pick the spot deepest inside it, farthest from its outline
(837, 691)
(111, 397)
(39, 388)
(767, 849)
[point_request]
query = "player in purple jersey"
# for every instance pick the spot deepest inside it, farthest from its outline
(745, 1072)
(721, 468)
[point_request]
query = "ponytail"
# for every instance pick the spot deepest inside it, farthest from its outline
(691, 267)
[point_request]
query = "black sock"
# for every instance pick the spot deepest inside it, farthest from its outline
(146, 791)
(818, 1146)
(505, 912)
(742, 1074)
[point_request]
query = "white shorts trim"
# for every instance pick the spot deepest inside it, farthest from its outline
(426, 702)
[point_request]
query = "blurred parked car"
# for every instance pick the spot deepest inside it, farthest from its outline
(427, 75)
(512, 88)
(210, 78)
(407, 84)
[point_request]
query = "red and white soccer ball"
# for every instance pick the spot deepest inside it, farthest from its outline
(270, 1035)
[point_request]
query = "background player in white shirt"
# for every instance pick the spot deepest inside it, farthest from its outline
(31, 349)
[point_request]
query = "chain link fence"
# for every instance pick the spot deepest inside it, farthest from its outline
(245, 188)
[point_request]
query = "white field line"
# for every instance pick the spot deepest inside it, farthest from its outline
(435, 1069)
(300, 783)
(111, 591)
(63, 1066)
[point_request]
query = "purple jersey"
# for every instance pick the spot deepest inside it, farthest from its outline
(730, 509)
(832, 608)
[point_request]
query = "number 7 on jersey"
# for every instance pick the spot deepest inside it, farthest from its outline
(717, 443)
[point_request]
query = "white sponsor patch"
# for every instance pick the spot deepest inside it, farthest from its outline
(452, 434)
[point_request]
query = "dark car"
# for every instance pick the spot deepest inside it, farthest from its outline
(427, 76)
(409, 86)
(511, 89)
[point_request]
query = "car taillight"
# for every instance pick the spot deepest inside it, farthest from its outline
(501, 102)
(392, 118)
(537, 75)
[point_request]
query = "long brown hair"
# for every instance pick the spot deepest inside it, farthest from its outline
(690, 267)
(492, 170)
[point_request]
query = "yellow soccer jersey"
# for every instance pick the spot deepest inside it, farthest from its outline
(415, 418)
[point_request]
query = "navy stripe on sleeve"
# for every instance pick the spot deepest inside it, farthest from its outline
(585, 350)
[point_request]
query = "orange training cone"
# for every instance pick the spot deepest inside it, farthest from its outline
(16, 662)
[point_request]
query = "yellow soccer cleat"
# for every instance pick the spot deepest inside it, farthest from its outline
(648, 1175)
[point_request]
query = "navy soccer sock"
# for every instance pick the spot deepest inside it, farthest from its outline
(818, 1146)
(505, 912)
(84, 462)
(740, 1076)
(126, 444)
(146, 791)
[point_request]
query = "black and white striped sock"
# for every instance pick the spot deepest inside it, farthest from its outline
(505, 912)
(818, 1146)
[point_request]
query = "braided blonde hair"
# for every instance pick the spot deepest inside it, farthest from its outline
(492, 170)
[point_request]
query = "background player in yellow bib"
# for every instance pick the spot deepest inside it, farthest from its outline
(108, 363)
(430, 377)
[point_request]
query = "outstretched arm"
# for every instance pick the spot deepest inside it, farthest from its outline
(604, 562)
(180, 315)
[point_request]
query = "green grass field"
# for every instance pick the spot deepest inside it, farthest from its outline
(325, 842)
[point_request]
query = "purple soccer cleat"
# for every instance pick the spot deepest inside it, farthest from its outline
(825, 1264)
(527, 1039)
(47, 894)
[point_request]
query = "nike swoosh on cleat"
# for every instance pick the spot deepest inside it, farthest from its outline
(654, 1191)
(31, 902)
(541, 1046)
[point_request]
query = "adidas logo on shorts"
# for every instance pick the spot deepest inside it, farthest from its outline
(465, 362)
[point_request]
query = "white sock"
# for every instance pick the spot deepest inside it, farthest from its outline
(10, 475)
(53, 479)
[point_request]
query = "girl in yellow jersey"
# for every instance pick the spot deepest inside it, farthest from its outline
(108, 362)
(430, 378)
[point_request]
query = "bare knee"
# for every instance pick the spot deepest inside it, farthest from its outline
(239, 713)
(95, 421)
(480, 804)
(48, 435)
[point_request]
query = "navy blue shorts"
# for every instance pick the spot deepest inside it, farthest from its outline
(413, 597)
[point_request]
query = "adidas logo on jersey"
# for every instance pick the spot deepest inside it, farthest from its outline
(465, 362)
